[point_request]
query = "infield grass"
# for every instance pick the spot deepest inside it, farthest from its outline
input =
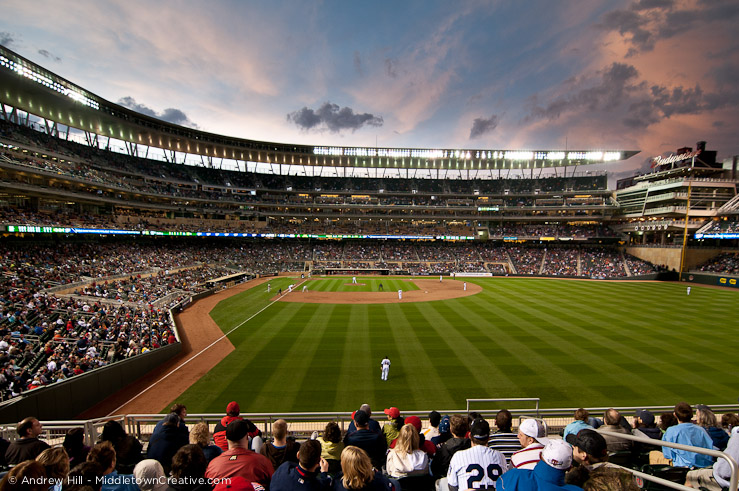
(571, 343)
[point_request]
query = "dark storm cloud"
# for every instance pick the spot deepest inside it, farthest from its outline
(171, 115)
(482, 126)
(333, 117)
(46, 54)
(6, 39)
(645, 22)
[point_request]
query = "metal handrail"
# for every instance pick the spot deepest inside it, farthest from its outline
(507, 399)
(733, 481)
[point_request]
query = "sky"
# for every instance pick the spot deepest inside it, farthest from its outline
(649, 75)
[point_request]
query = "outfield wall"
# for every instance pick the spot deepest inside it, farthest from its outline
(66, 400)
(670, 256)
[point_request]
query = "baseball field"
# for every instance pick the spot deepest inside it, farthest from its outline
(570, 342)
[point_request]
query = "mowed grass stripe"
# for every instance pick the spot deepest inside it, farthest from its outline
(571, 343)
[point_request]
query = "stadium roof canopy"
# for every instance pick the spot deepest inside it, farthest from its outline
(29, 88)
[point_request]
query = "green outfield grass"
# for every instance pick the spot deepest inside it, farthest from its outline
(571, 343)
(364, 284)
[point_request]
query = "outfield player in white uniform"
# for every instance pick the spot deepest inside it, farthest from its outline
(478, 467)
(688, 290)
(385, 366)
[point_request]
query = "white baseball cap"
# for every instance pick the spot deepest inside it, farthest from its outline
(557, 454)
(533, 428)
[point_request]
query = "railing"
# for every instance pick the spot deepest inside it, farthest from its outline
(705, 451)
(510, 399)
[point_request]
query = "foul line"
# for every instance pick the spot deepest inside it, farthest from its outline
(201, 352)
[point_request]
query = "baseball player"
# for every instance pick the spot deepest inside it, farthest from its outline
(305, 288)
(385, 366)
(354, 280)
(688, 290)
(400, 294)
(478, 467)
(465, 286)
(269, 287)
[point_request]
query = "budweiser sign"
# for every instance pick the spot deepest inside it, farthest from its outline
(674, 158)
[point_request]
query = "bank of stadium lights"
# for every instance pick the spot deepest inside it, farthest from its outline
(431, 154)
(47, 82)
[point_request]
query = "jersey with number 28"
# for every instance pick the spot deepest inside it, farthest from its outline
(478, 467)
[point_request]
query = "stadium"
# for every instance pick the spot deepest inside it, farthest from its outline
(146, 263)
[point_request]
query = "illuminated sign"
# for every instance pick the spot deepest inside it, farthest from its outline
(674, 158)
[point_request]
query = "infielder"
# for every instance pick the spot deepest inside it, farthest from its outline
(290, 288)
(465, 286)
(479, 466)
(400, 294)
(269, 287)
(385, 366)
(305, 288)
(354, 280)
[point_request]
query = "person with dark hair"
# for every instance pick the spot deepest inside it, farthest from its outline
(706, 419)
(504, 440)
(233, 412)
(373, 443)
(56, 463)
(282, 448)
(729, 421)
(74, 444)
(127, 447)
(104, 454)
(590, 450)
(165, 444)
(28, 475)
(433, 429)
(180, 410)
(303, 475)
(238, 460)
(28, 446)
(665, 421)
(687, 433)
(331, 444)
(188, 470)
(200, 436)
(373, 424)
(85, 476)
(478, 466)
(582, 416)
(612, 420)
(459, 428)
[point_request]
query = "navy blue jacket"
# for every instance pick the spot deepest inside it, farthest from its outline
(291, 477)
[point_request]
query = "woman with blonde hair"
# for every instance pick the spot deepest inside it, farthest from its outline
(200, 436)
(56, 463)
(358, 474)
(406, 459)
(707, 419)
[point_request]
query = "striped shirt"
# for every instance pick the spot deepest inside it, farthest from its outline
(528, 457)
(477, 467)
(506, 443)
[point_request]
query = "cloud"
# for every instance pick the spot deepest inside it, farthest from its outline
(333, 117)
(481, 126)
(391, 67)
(46, 54)
(170, 115)
(358, 63)
(7, 39)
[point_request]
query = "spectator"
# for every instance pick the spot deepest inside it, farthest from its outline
(180, 410)
(590, 450)
(357, 473)
(170, 438)
(56, 463)
(433, 429)
(407, 459)
(188, 470)
(85, 476)
(548, 474)
(612, 419)
(665, 421)
(445, 432)
(582, 417)
(238, 460)
(232, 414)
(706, 419)
(150, 476)
(459, 428)
(372, 443)
(104, 455)
(716, 478)
(687, 433)
(478, 466)
(373, 424)
(533, 437)
(424, 445)
(127, 447)
(303, 475)
(200, 436)
(283, 448)
(331, 444)
(28, 446)
(393, 426)
(504, 439)
(28, 475)
(74, 444)
(729, 421)
(644, 423)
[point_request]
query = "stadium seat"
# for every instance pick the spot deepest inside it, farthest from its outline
(670, 473)
(417, 483)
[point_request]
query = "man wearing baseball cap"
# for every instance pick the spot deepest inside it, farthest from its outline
(238, 460)
(369, 441)
(232, 414)
(478, 467)
(590, 450)
(533, 437)
(548, 474)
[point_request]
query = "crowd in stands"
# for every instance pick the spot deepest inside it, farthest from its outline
(452, 452)
(725, 263)
(730, 227)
